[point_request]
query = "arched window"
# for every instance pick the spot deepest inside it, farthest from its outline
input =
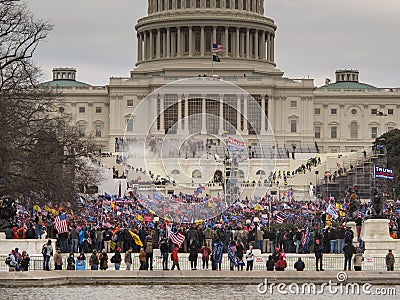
(353, 130)
(130, 125)
(187, 4)
(198, 3)
(228, 4)
(175, 172)
(218, 3)
(260, 172)
(196, 174)
(236, 4)
(178, 4)
(244, 5)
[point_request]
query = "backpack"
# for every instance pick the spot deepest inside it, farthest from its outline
(8, 260)
(44, 250)
(107, 235)
(149, 247)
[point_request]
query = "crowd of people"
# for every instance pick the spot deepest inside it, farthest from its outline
(273, 224)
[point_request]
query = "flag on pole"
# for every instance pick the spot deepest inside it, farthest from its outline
(176, 237)
(216, 58)
(136, 238)
(306, 236)
(218, 48)
(281, 217)
(60, 224)
(331, 211)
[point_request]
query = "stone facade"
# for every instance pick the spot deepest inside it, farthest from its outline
(175, 42)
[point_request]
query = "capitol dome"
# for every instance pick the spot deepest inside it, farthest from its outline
(185, 30)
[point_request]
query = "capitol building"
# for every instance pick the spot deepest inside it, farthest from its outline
(176, 42)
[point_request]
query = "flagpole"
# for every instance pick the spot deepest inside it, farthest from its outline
(212, 63)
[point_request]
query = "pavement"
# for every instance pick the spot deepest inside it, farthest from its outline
(199, 277)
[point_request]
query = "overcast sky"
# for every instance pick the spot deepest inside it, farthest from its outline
(314, 38)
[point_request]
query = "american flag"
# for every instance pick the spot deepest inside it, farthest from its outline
(61, 224)
(217, 48)
(306, 236)
(176, 237)
(281, 217)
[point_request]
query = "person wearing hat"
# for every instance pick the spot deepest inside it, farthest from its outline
(94, 260)
(299, 265)
(390, 261)
(116, 259)
(103, 258)
(128, 258)
(318, 255)
(58, 260)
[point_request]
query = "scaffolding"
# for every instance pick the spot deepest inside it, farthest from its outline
(355, 175)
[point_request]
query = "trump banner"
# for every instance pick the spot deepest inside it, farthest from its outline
(381, 172)
(235, 145)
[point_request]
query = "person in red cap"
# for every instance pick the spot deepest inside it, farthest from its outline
(318, 255)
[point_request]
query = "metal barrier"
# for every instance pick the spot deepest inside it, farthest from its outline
(330, 262)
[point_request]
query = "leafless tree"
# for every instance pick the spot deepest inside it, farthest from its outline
(41, 154)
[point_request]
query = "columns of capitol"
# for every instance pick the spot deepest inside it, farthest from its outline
(174, 32)
(171, 33)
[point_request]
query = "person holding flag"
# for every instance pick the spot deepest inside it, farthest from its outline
(218, 248)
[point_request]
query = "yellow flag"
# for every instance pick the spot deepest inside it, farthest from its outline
(258, 207)
(136, 238)
(140, 217)
(198, 222)
(36, 207)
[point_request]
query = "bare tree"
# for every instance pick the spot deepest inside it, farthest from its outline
(41, 153)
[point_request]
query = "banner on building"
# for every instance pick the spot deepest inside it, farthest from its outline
(235, 145)
(381, 172)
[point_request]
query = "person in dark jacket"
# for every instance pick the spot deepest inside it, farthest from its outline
(270, 263)
(318, 255)
(71, 262)
(193, 254)
(333, 240)
(116, 259)
(348, 251)
(299, 265)
(30, 233)
(103, 258)
(239, 254)
(164, 248)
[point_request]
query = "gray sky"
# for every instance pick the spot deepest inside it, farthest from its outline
(314, 38)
